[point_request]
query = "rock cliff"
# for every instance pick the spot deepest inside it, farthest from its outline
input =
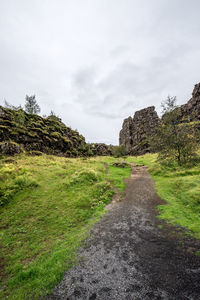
(20, 131)
(136, 132)
(101, 149)
(192, 107)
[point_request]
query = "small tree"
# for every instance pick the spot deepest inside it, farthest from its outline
(174, 140)
(119, 151)
(31, 105)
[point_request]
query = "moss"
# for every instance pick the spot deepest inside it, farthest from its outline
(3, 127)
(55, 135)
(40, 130)
(32, 134)
(66, 140)
(14, 133)
(22, 131)
(36, 133)
(47, 138)
(9, 123)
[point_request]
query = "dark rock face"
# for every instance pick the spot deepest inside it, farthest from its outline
(136, 131)
(192, 107)
(32, 133)
(100, 149)
(10, 148)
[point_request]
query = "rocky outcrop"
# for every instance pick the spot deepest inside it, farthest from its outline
(136, 131)
(10, 148)
(20, 131)
(100, 149)
(192, 108)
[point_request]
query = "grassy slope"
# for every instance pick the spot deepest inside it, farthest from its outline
(180, 187)
(51, 204)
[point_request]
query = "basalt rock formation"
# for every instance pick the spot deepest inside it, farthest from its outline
(192, 107)
(136, 132)
(20, 131)
(101, 149)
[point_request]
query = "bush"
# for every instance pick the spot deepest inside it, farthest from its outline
(174, 140)
(119, 151)
(83, 177)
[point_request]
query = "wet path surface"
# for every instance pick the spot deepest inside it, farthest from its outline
(128, 257)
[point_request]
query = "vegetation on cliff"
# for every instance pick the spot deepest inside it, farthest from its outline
(174, 139)
(137, 132)
(21, 131)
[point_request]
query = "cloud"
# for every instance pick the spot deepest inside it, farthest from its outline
(96, 62)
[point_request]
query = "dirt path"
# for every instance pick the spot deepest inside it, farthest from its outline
(128, 257)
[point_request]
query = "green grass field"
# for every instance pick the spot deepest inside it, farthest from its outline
(180, 187)
(48, 206)
(49, 203)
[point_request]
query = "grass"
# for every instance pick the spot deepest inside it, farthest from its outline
(180, 187)
(48, 205)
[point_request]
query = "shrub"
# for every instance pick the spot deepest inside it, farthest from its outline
(119, 151)
(83, 177)
(174, 140)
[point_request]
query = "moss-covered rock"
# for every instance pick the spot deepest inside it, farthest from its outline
(10, 148)
(36, 134)
(101, 149)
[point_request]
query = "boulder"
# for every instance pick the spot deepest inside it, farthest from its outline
(10, 148)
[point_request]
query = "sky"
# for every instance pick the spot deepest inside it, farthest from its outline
(96, 62)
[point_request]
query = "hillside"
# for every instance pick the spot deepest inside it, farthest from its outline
(20, 131)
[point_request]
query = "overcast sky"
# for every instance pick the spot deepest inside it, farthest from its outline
(96, 62)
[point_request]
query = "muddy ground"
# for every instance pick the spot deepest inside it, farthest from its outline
(130, 257)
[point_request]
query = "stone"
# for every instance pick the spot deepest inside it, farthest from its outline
(136, 132)
(192, 108)
(35, 134)
(10, 148)
(101, 149)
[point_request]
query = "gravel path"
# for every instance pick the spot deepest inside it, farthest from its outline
(129, 257)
